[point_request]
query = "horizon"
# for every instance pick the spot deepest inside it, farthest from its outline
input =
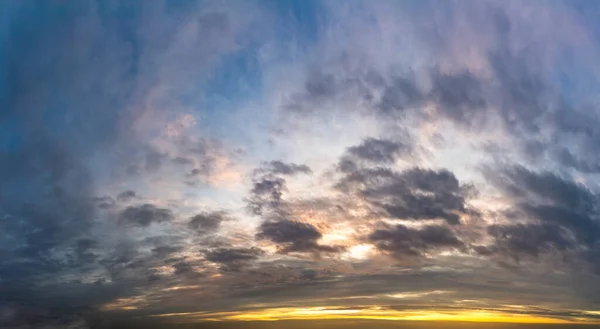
(335, 324)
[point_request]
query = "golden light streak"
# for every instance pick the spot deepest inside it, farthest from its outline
(418, 294)
(125, 304)
(371, 313)
(175, 288)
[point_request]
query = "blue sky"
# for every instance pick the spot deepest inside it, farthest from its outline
(290, 160)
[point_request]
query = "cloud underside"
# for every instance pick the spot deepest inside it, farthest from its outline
(246, 161)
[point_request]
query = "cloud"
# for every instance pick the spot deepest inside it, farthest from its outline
(379, 150)
(207, 222)
(460, 96)
(104, 202)
(268, 186)
(182, 267)
(560, 216)
(414, 194)
(401, 94)
(529, 240)
(266, 194)
(145, 215)
(293, 236)
(552, 199)
(126, 196)
(164, 251)
(278, 167)
(233, 259)
(404, 243)
(72, 119)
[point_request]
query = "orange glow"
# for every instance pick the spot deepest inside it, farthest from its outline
(373, 313)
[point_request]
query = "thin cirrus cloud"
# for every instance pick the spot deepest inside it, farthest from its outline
(185, 161)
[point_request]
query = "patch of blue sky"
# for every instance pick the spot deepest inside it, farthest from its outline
(238, 80)
(300, 22)
(125, 18)
(179, 6)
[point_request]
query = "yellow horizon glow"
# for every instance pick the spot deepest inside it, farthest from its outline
(372, 313)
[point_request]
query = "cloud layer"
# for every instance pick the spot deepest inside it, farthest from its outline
(245, 160)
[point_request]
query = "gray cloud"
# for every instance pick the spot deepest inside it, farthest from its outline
(561, 216)
(417, 194)
(379, 150)
(551, 198)
(460, 96)
(266, 194)
(144, 215)
(526, 240)
(400, 95)
(70, 123)
(153, 161)
(404, 243)
(233, 259)
(278, 167)
(293, 236)
(164, 251)
(126, 196)
(104, 202)
(268, 186)
(207, 222)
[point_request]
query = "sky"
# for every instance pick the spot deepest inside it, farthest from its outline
(194, 162)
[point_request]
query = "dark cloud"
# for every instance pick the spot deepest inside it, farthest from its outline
(404, 242)
(182, 267)
(415, 194)
(379, 150)
(320, 85)
(85, 244)
(561, 216)
(270, 186)
(46, 207)
(233, 259)
(293, 236)
(164, 251)
(278, 167)
(522, 183)
(515, 95)
(132, 170)
(266, 195)
(153, 161)
(552, 199)
(288, 231)
(72, 85)
(402, 94)
(144, 215)
(526, 240)
(578, 125)
(194, 172)
(126, 196)
(207, 222)
(522, 92)
(104, 202)
(266, 200)
(460, 97)
(202, 154)
(335, 80)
